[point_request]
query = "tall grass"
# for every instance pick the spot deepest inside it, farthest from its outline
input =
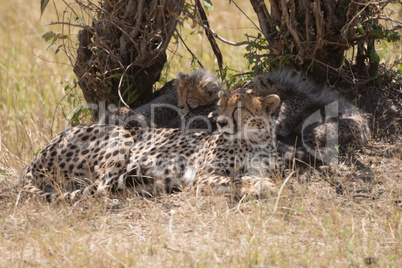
(321, 219)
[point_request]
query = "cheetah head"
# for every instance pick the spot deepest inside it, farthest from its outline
(264, 86)
(199, 88)
(245, 114)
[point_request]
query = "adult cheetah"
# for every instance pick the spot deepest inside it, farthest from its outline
(237, 159)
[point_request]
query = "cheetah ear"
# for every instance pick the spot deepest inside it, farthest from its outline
(221, 93)
(270, 103)
(213, 88)
(261, 83)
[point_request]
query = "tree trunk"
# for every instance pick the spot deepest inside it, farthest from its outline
(314, 35)
(122, 55)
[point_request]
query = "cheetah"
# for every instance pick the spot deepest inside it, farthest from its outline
(125, 117)
(76, 158)
(200, 88)
(187, 106)
(321, 117)
(237, 158)
(197, 97)
(162, 110)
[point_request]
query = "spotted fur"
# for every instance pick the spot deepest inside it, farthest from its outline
(334, 119)
(237, 159)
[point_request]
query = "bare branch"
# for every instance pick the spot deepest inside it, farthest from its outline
(189, 50)
(214, 45)
(290, 27)
(65, 23)
(243, 43)
(266, 23)
(276, 14)
(320, 24)
(255, 25)
(346, 28)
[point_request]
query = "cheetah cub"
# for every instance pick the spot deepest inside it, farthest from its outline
(186, 104)
(326, 122)
(197, 89)
(197, 98)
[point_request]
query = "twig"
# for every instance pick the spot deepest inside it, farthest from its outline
(319, 23)
(65, 23)
(56, 108)
(177, 250)
(373, 3)
(263, 17)
(243, 43)
(211, 39)
(18, 198)
(277, 199)
(345, 28)
(56, 11)
(275, 9)
(189, 50)
(126, 34)
(380, 17)
(120, 82)
(238, 206)
(241, 10)
(292, 31)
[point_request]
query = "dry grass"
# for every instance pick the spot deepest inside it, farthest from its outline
(351, 217)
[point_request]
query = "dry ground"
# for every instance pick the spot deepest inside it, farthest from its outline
(348, 216)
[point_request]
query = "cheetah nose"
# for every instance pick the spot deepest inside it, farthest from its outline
(181, 106)
(222, 122)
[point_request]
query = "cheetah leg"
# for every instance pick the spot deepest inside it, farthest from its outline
(99, 187)
(240, 186)
(29, 186)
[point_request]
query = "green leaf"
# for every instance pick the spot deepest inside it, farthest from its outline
(49, 35)
(52, 45)
(133, 97)
(400, 68)
(59, 36)
(115, 75)
(377, 34)
(208, 5)
(43, 4)
(392, 36)
(77, 20)
(360, 28)
(58, 49)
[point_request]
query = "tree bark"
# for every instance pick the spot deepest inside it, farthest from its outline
(122, 54)
(314, 34)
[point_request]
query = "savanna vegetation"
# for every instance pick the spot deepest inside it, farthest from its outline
(350, 216)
